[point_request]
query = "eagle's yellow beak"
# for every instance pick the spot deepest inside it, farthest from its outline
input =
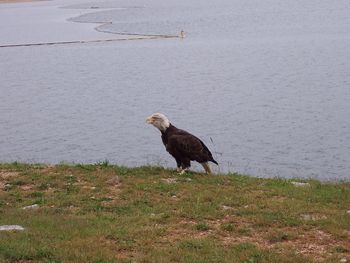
(149, 119)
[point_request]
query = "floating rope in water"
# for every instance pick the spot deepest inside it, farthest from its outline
(93, 41)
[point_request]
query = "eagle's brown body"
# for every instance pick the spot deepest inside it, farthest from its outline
(185, 147)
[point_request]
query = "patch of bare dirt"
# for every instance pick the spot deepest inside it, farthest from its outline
(185, 229)
(169, 180)
(114, 181)
(114, 185)
(47, 169)
(26, 187)
(279, 199)
(312, 243)
(235, 238)
(237, 221)
(4, 175)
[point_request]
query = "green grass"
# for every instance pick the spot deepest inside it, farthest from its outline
(105, 213)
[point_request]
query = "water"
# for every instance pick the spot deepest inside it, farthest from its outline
(267, 81)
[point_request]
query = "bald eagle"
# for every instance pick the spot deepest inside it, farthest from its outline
(182, 145)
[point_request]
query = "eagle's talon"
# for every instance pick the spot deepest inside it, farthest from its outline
(183, 171)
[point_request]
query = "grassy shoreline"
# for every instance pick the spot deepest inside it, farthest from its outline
(106, 213)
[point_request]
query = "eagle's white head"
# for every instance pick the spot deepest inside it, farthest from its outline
(159, 121)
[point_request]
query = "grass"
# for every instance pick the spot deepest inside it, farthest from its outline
(105, 213)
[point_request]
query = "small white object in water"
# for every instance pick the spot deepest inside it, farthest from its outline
(11, 227)
(299, 184)
(35, 206)
(182, 34)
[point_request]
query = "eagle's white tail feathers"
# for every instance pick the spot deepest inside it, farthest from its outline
(206, 167)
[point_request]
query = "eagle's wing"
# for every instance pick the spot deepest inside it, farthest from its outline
(186, 144)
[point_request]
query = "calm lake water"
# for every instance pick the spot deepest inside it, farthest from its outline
(265, 84)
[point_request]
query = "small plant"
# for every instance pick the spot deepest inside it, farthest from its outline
(191, 245)
(244, 246)
(244, 231)
(18, 182)
(37, 194)
(121, 170)
(43, 186)
(228, 227)
(341, 249)
(202, 227)
(279, 237)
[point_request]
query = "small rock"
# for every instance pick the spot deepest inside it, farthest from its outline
(188, 179)
(300, 184)
(343, 260)
(35, 206)
(308, 217)
(348, 212)
(26, 187)
(246, 206)
(225, 207)
(169, 180)
(89, 187)
(115, 181)
(11, 227)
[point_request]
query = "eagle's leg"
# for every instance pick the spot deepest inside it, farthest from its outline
(185, 165)
(206, 167)
(183, 171)
(178, 164)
